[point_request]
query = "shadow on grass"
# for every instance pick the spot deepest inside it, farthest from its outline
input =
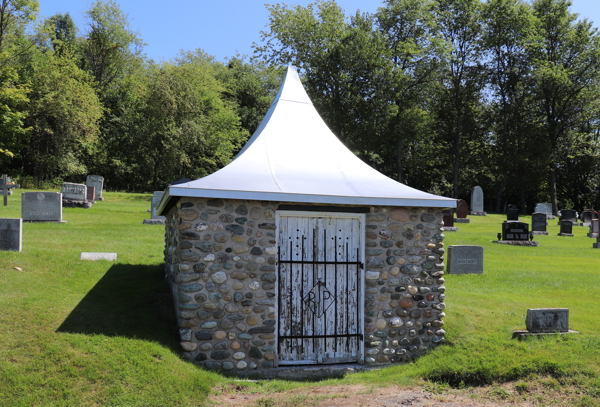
(133, 301)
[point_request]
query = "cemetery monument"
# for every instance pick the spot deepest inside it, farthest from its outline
(477, 202)
(41, 207)
(11, 234)
(464, 259)
(98, 182)
(539, 223)
(462, 210)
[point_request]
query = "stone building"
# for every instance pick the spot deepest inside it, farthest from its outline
(299, 253)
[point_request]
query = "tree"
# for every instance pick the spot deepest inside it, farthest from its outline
(63, 114)
(459, 24)
(566, 68)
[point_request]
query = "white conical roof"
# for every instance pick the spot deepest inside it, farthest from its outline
(294, 157)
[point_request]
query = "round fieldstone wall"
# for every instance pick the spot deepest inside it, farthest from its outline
(220, 258)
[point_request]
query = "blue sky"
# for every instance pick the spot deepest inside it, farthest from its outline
(220, 27)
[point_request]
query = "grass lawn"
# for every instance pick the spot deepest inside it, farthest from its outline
(104, 333)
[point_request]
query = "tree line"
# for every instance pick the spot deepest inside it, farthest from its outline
(441, 95)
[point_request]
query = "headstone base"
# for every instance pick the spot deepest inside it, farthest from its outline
(565, 234)
(450, 229)
(524, 334)
(536, 232)
(69, 203)
(593, 235)
(462, 220)
(45, 221)
(518, 242)
(98, 256)
(478, 213)
(154, 222)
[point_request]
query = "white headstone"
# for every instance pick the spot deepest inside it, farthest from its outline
(74, 192)
(98, 182)
(156, 197)
(98, 256)
(477, 199)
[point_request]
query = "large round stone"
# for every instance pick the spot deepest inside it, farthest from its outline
(400, 214)
(219, 277)
(252, 320)
(219, 335)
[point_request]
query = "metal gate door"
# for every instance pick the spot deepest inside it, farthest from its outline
(319, 287)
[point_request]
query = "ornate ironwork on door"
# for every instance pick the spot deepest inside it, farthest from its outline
(319, 291)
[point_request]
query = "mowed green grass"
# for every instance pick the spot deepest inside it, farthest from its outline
(104, 333)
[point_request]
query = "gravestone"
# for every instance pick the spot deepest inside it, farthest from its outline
(98, 182)
(11, 234)
(540, 320)
(449, 221)
(156, 197)
(477, 202)
(73, 192)
(544, 207)
(597, 244)
(7, 187)
(594, 228)
(539, 223)
(545, 321)
(181, 181)
(566, 228)
(41, 207)
(568, 214)
(98, 256)
(586, 217)
(464, 259)
(515, 231)
(462, 210)
(90, 193)
(512, 213)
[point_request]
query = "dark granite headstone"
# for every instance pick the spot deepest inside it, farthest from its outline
(512, 230)
(566, 228)
(448, 219)
(11, 234)
(539, 223)
(540, 320)
(90, 193)
(464, 259)
(568, 214)
(462, 209)
(512, 213)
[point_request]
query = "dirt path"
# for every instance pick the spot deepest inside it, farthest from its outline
(506, 394)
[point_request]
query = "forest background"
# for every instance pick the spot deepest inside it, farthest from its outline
(441, 95)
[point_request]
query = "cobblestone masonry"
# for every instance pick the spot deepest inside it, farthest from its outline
(220, 258)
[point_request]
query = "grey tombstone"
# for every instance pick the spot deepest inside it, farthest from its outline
(73, 192)
(540, 208)
(464, 259)
(98, 182)
(156, 197)
(477, 201)
(594, 228)
(586, 217)
(11, 234)
(90, 193)
(539, 223)
(41, 207)
(546, 320)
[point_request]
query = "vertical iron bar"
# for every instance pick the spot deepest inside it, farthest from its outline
(335, 270)
(314, 257)
(302, 297)
(347, 301)
(325, 274)
(279, 297)
(291, 315)
(358, 287)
